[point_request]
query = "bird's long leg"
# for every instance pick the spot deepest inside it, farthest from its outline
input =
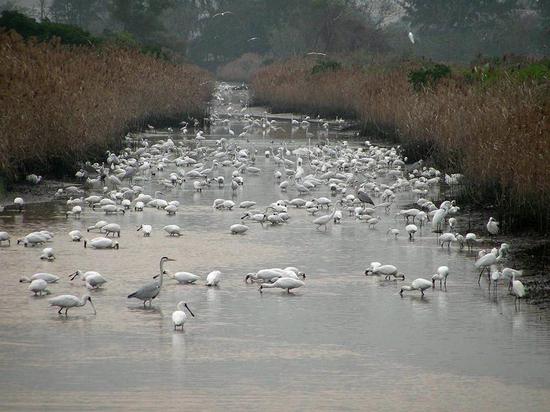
(60, 309)
(421, 291)
(66, 310)
(479, 279)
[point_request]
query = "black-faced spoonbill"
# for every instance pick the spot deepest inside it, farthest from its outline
(69, 301)
(441, 275)
(179, 316)
(417, 284)
(283, 283)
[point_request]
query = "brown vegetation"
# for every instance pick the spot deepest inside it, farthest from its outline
(241, 69)
(497, 134)
(60, 103)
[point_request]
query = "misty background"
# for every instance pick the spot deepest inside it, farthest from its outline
(212, 33)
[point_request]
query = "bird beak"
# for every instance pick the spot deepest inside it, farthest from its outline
(189, 310)
(93, 306)
(73, 275)
(156, 276)
(170, 260)
(139, 228)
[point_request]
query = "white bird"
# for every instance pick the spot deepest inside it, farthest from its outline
(172, 230)
(101, 243)
(97, 226)
(485, 262)
(38, 286)
(48, 277)
(417, 284)
(384, 270)
(179, 316)
(69, 301)
(324, 220)
(19, 202)
(411, 230)
(75, 235)
(93, 280)
(147, 229)
(182, 277)
(111, 228)
(447, 238)
(283, 283)
(441, 275)
(518, 290)
(411, 37)
(492, 226)
(214, 278)
(238, 229)
(5, 237)
(471, 239)
(47, 254)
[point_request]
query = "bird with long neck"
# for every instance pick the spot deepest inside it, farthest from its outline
(151, 290)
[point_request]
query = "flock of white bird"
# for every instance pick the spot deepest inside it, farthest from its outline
(362, 183)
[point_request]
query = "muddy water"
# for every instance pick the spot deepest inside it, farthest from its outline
(344, 341)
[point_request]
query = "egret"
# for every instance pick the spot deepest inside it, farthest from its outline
(492, 226)
(179, 316)
(417, 284)
(182, 277)
(69, 301)
(151, 290)
(324, 220)
(518, 290)
(283, 283)
(411, 37)
(485, 262)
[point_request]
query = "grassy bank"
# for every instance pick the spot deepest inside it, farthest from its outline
(63, 103)
(490, 123)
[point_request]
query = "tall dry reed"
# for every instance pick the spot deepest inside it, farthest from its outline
(498, 136)
(58, 103)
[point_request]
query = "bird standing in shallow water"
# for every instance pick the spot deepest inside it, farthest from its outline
(69, 301)
(179, 316)
(492, 226)
(151, 290)
(417, 284)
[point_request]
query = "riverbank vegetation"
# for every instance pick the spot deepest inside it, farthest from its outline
(490, 121)
(63, 102)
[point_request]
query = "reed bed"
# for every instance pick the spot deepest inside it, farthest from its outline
(61, 104)
(498, 135)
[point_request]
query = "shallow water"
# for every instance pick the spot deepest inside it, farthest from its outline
(344, 341)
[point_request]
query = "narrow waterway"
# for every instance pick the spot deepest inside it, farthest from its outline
(344, 341)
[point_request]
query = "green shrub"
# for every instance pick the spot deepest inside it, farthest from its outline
(326, 66)
(429, 76)
(28, 27)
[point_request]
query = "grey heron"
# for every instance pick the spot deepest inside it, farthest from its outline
(151, 290)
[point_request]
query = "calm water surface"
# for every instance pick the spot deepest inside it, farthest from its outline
(342, 342)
